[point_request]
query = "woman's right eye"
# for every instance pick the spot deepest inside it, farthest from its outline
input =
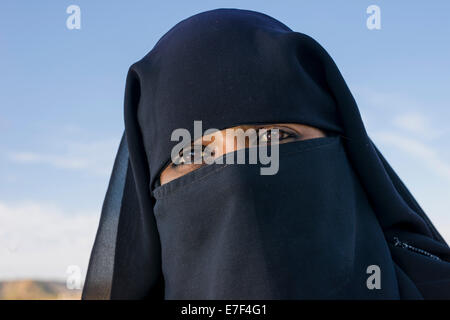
(189, 155)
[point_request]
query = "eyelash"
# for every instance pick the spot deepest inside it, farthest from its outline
(283, 135)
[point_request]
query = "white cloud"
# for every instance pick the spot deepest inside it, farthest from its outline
(384, 103)
(430, 157)
(406, 111)
(418, 124)
(41, 241)
(96, 157)
(61, 161)
(395, 118)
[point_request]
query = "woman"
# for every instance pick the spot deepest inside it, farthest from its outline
(333, 222)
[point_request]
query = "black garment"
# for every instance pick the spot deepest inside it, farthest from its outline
(224, 231)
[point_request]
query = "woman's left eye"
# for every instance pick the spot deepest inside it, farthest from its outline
(274, 134)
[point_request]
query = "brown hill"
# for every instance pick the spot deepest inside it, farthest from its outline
(36, 290)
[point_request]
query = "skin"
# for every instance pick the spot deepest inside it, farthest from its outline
(219, 142)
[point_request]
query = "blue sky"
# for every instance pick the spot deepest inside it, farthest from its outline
(61, 105)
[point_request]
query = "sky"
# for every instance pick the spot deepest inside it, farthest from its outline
(61, 106)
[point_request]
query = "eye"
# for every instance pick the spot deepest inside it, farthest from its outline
(192, 153)
(268, 135)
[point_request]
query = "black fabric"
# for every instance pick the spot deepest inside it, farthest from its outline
(224, 231)
(307, 232)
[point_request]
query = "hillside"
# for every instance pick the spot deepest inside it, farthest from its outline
(36, 290)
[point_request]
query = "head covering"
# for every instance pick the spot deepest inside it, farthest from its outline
(314, 230)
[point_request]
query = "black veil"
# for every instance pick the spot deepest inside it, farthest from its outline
(125, 261)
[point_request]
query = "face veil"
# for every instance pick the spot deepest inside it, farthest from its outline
(311, 231)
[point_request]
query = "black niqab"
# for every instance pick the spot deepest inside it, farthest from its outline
(311, 231)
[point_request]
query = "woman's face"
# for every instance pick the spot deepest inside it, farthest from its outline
(223, 143)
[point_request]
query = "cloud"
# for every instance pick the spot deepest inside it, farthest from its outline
(418, 124)
(396, 119)
(430, 157)
(61, 161)
(406, 111)
(412, 132)
(96, 157)
(42, 240)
